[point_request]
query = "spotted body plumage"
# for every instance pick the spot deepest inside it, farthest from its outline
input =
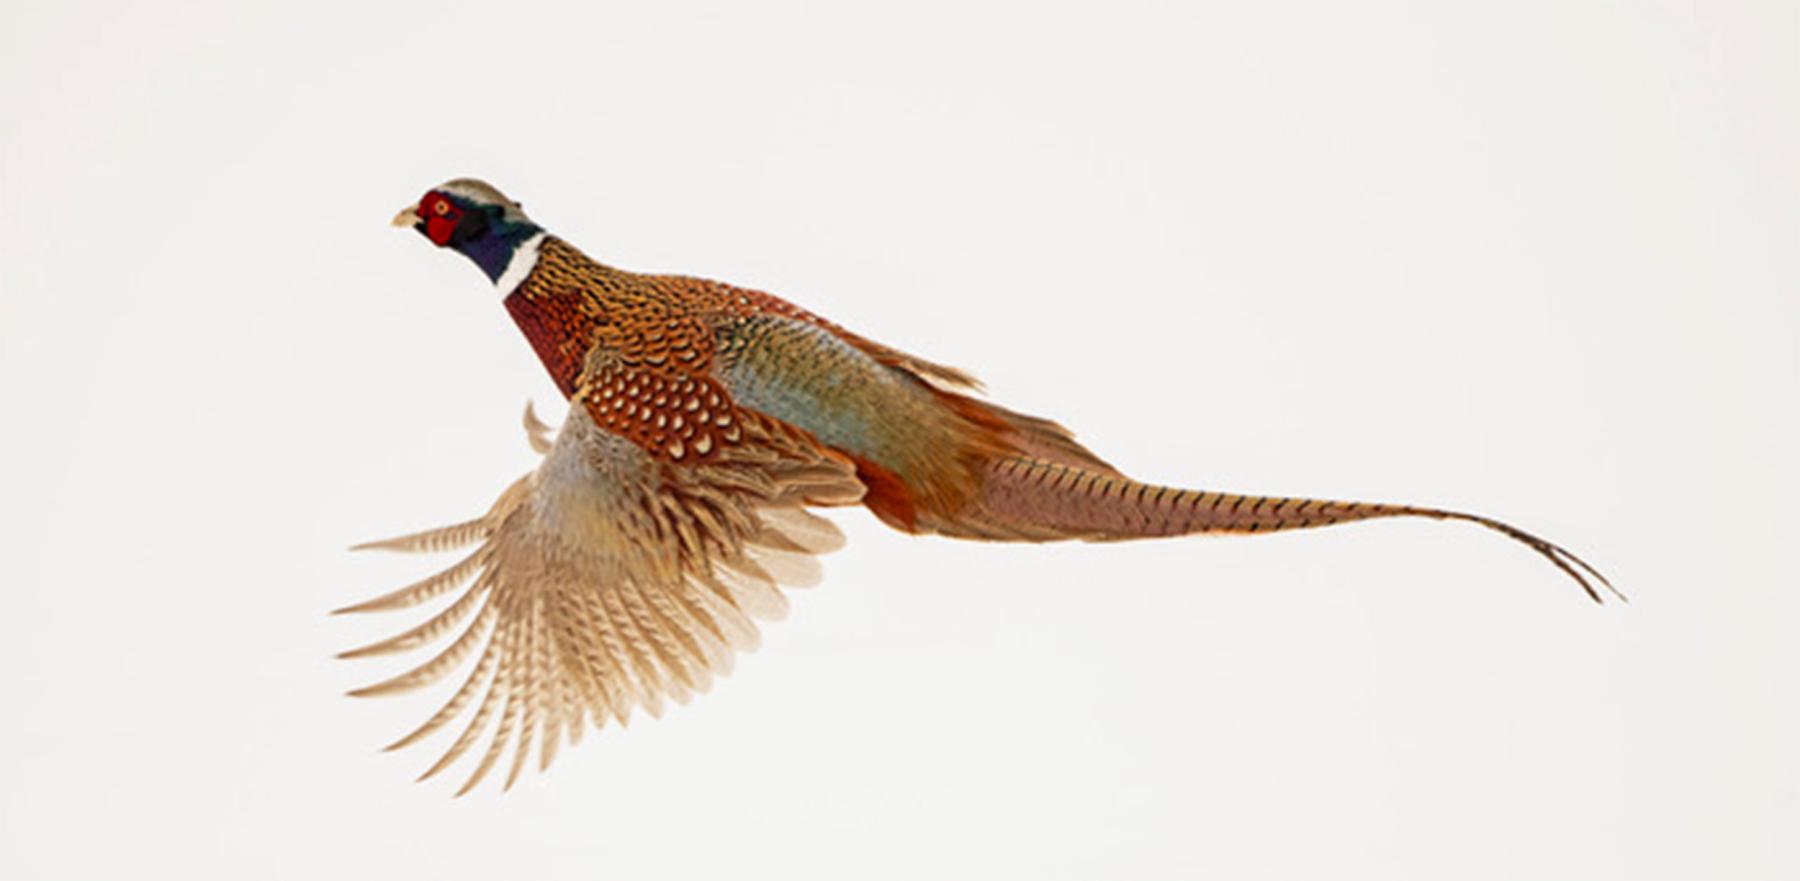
(706, 421)
(640, 351)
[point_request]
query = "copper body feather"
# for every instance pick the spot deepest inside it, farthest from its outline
(673, 506)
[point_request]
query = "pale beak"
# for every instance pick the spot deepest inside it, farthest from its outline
(408, 217)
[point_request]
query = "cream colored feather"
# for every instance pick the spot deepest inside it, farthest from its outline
(605, 581)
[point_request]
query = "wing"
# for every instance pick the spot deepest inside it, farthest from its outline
(609, 579)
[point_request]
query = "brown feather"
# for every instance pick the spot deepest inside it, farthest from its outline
(607, 580)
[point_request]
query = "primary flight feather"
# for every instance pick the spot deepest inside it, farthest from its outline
(705, 421)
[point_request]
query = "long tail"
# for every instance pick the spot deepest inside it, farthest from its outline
(1031, 499)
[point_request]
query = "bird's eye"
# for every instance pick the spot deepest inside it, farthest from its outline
(442, 207)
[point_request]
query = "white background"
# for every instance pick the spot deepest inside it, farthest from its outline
(1533, 259)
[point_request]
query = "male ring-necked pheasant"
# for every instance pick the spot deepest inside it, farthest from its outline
(705, 420)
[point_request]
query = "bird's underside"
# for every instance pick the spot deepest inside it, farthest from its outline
(674, 503)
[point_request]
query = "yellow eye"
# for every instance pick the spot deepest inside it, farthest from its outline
(442, 207)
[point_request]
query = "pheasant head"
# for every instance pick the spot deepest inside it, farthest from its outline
(476, 220)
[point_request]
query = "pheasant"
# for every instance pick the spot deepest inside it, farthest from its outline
(705, 421)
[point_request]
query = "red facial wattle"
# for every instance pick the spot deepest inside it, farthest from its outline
(441, 216)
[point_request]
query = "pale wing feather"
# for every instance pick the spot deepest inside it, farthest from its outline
(422, 590)
(606, 581)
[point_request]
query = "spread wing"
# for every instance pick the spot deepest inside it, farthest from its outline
(608, 579)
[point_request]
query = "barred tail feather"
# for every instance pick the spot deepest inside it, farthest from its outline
(1029, 499)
